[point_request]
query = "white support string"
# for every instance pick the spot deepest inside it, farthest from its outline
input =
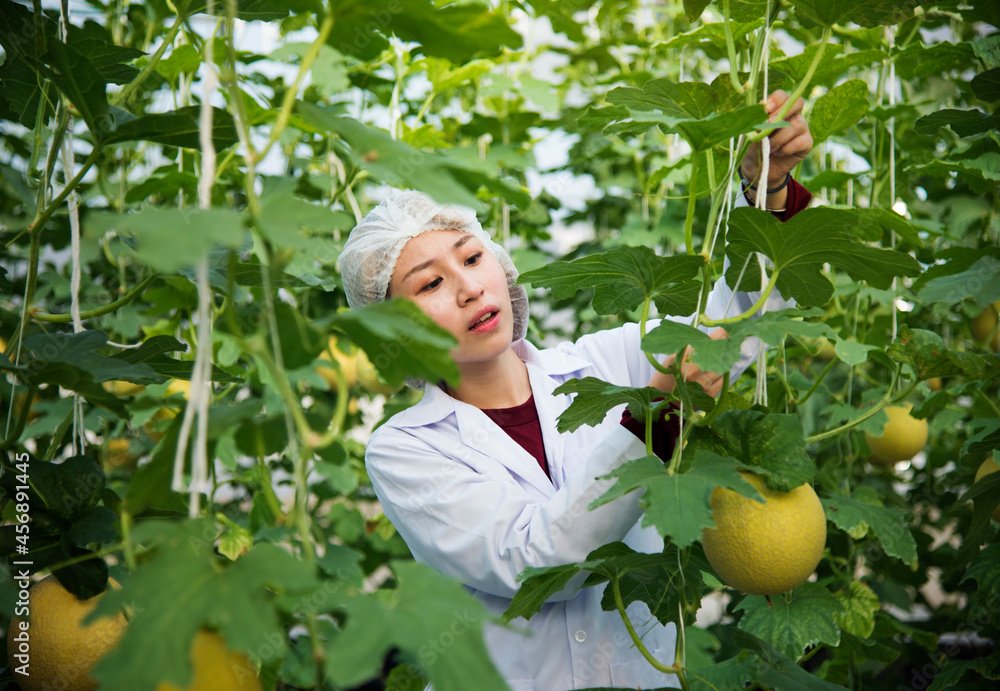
(73, 203)
(200, 395)
(890, 38)
(760, 390)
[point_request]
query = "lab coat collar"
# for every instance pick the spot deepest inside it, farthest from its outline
(546, 370)
(436, 405)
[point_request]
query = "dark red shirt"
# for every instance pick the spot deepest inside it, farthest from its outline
(521, 424)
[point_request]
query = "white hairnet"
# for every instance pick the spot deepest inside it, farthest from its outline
(374, 246)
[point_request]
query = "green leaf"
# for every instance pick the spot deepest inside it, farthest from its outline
(96, 525)
(66, 490)
(825, 12)
(678, 505)
(776, 671)
(428, 607)
(985, 571)
(986, 493)
(168, 239)
(539, 583)
(71, 361)
(859, 604)
(668, 583)
(621, 278)
(737, 672)
(929, 356)
(888, 525)
(401, 341)
(182, 587)
(77, 79)
(839, 109)
(108, 59)
(980, 282)
(877, 224)
(686, 100)
(177, 128)
(285, 219)
(799, 248)
(791, 624)
(694, 8)
(771, 445)
(964, 123)
(458, 32)
(393, 161)
(721, 354)
(986, 85)
(595, 397)
(953, 670)
(833, 65)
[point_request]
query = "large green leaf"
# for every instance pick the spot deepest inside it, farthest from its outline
(395, 162)
(964, 123)
(986, 85)
(950, 675)
(929, 356)
(888, 525)
(621, 278)
(838, 109)
(678, 505)
(859, 605)
(801, 246)
(286, 219)
(79, 82)
(774, 670)
(401, 341)
(807, 616)
(980, 282)
(168, 239)
(430, 617)
(833, 65)
(72, 361)
(181, 587)
(668, 582)
(457, 31)
(769, 444)
(671, 583)
(176, 128)
(686, 100)
(720, 355)
(595, 397)
(865, 12)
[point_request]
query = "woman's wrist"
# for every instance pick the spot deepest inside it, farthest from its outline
(777, 192)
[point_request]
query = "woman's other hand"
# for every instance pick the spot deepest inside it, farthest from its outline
(710, 381)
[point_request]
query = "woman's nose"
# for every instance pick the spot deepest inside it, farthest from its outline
(469, 290)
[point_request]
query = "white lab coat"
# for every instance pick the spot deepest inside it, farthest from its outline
(470, 502)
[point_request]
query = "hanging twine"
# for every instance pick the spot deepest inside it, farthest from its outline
(200, 393)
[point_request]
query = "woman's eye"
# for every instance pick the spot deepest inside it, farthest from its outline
(431, 285)
(473, 259)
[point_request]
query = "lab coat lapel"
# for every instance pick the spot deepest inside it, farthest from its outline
(485, 437)
(549, 406)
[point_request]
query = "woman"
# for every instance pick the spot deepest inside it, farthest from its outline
(476, 478)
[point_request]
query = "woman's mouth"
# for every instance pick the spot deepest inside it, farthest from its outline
(486, 323)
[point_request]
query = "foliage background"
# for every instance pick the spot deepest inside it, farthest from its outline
(513, 108)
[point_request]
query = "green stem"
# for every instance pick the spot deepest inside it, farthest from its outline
(46, 214)
(98, 311)
(886, 400)
(58, 435)
(804, 84)
(168, 40)
(689, 219)
(819, 380)
(750, 312)
(289, 100)
(643, 317)
(616, 589)
(731, 47)
(22, 417)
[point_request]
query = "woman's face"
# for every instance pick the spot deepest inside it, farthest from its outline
(459, 284)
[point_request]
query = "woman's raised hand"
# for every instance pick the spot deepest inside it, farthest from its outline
(789, 145)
